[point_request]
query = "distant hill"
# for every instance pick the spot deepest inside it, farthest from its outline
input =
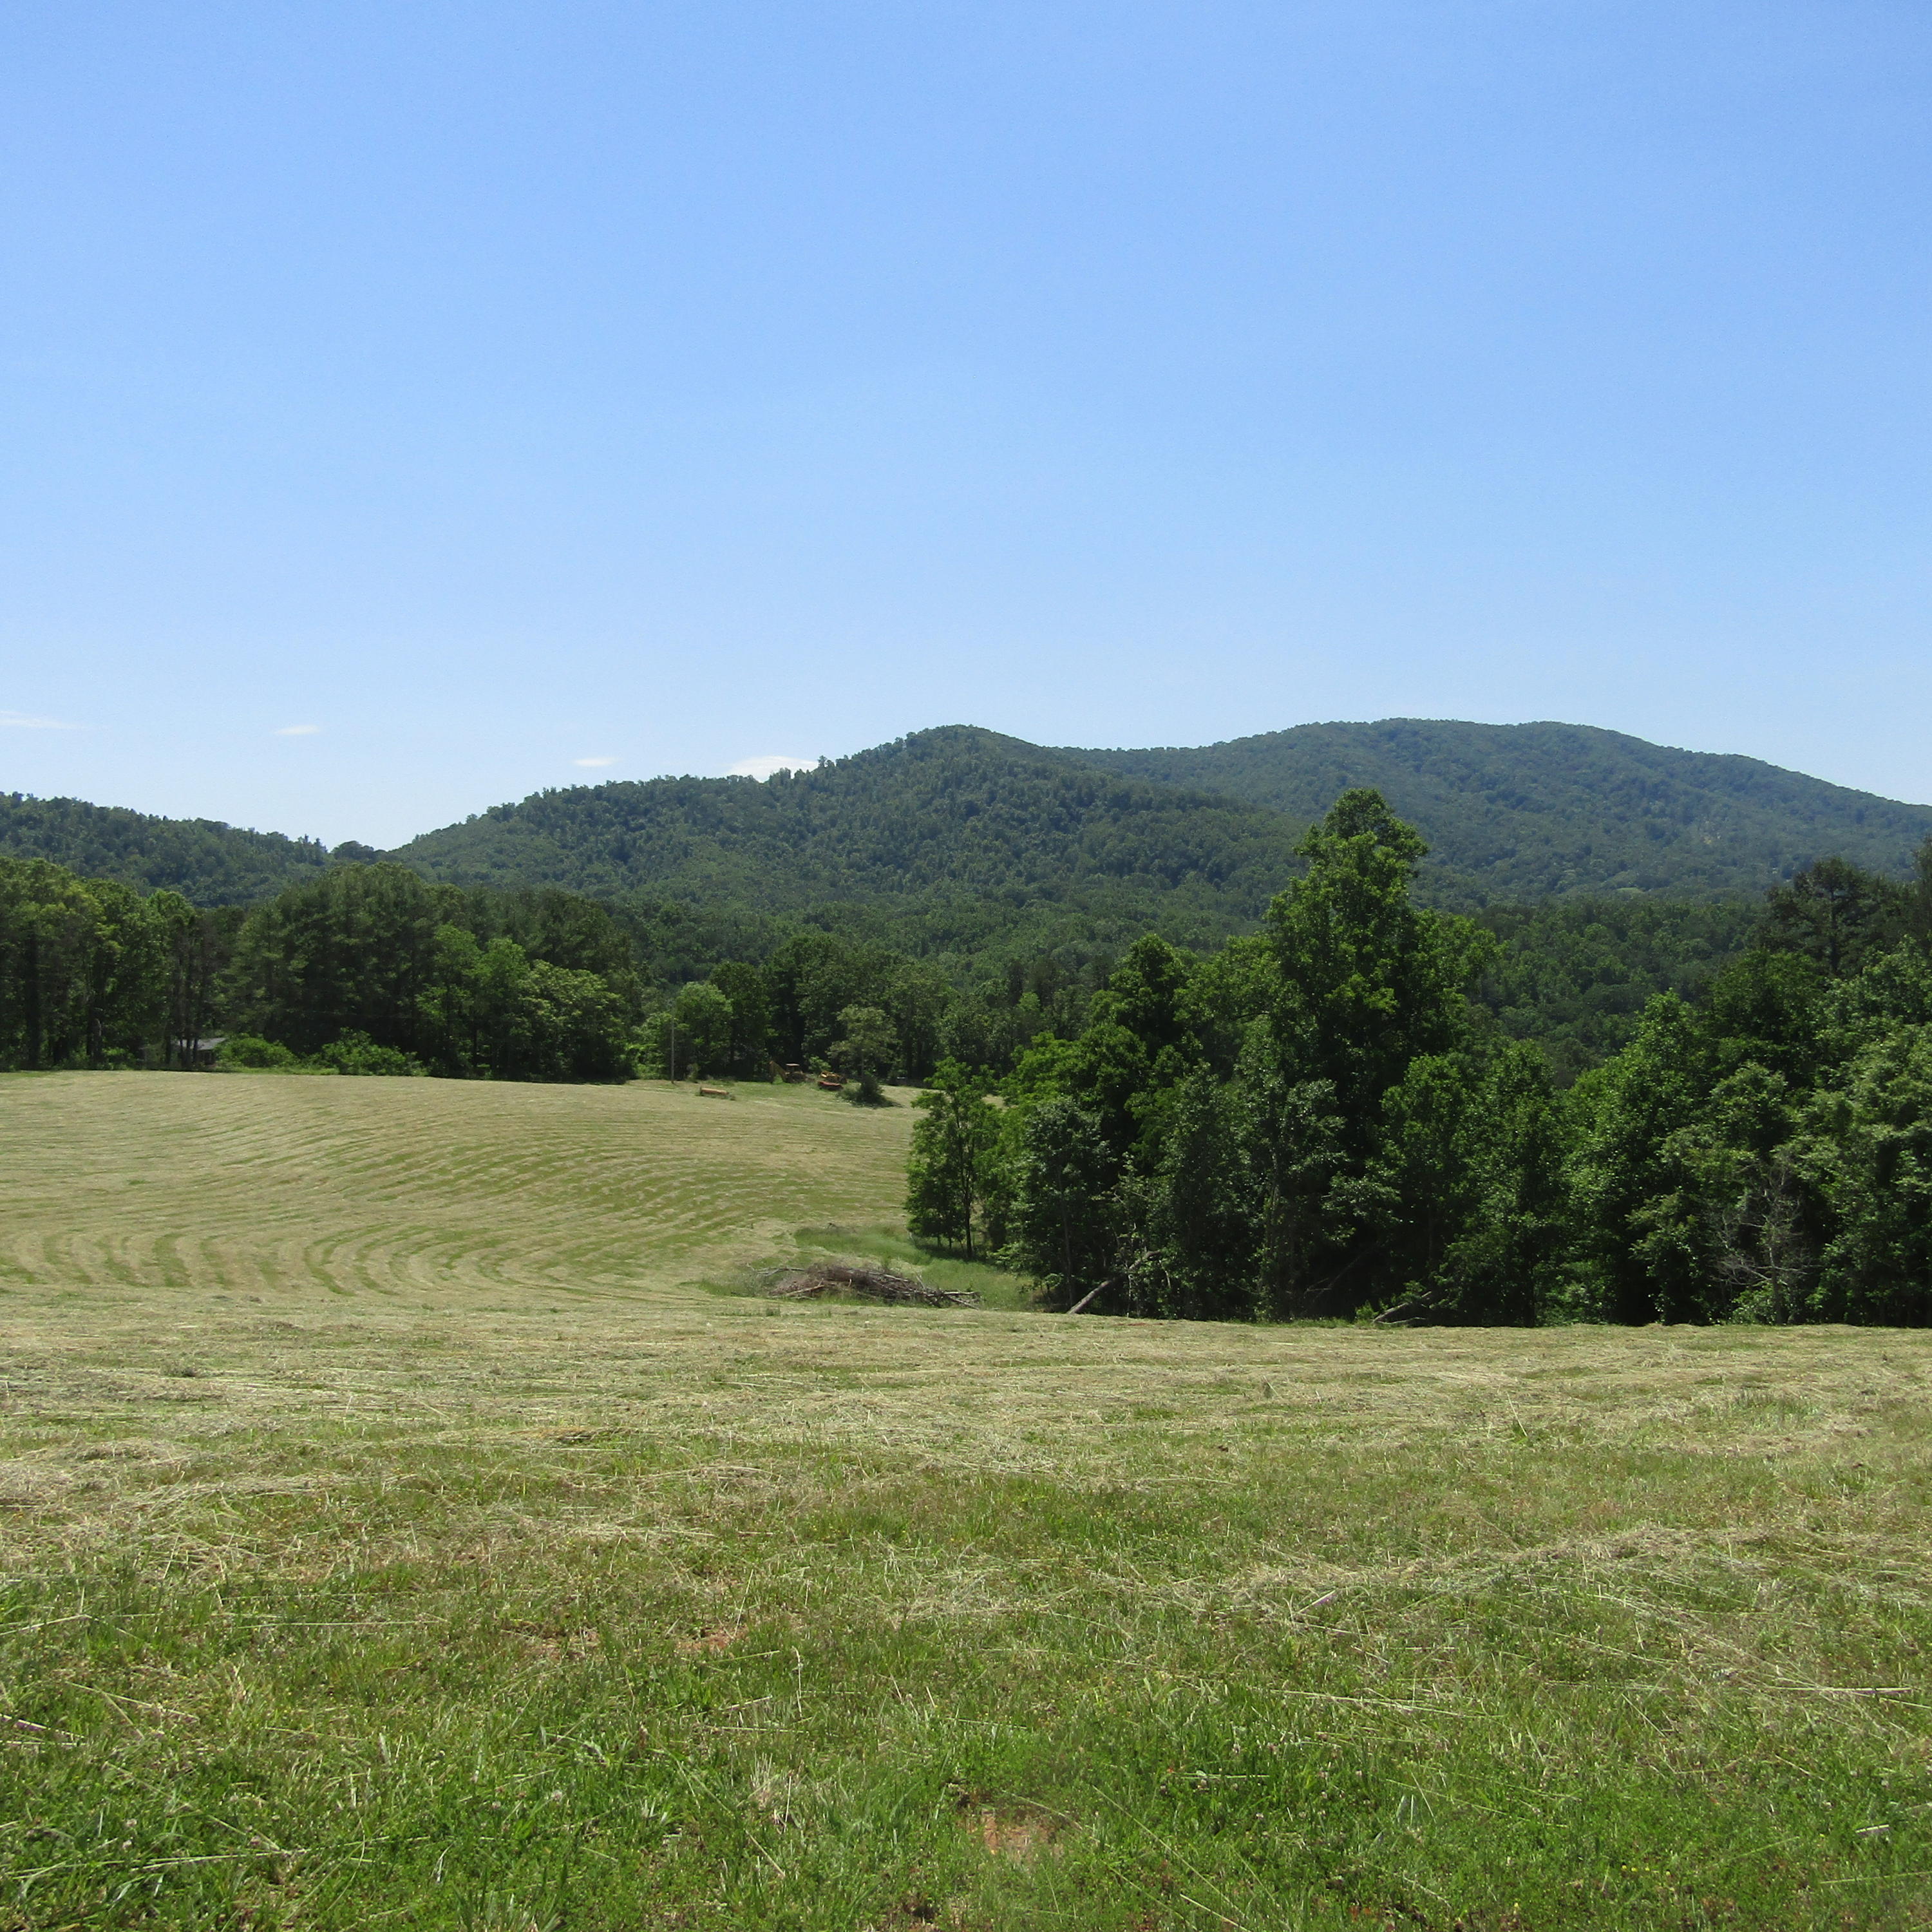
(1520, 812)
(1512, 813)
(211, 863)
(958, 826)
(956, 811)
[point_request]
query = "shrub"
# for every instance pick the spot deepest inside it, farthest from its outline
(357, 1053)
(250, 1051)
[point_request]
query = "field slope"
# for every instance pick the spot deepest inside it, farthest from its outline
(392, 1533)
(247, 1188)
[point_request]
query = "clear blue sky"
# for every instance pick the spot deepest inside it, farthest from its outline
(494, 387)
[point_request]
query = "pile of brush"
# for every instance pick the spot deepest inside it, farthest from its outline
(865, 1280)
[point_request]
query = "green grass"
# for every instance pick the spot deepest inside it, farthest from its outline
(486, 1595)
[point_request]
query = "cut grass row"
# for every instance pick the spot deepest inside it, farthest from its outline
(265, 1187)
(502, 1606)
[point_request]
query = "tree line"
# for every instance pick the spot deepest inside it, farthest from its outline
(369, 968)
(94, 974)
(363, 968)
(1327, 1120)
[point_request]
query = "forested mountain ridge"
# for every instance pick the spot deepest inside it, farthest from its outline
(954, 810)
(961, 825)
(1521, 812)
(208, 862)
(1512, 813)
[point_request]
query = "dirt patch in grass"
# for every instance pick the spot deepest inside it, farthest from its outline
(1021, 1833)
(709, 1643)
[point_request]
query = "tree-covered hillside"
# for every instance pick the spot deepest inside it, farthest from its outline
(1520, 812)
(211, 863)
(1512, 814)
(956, 812)
(949, 839)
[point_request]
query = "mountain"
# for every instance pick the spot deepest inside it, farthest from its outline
(211, 863)
(1516, 812)
(1530, 811)
(959, 826)
(954, 812)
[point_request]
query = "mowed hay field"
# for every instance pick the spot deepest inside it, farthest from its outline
(246, 1186)
(397, 1532)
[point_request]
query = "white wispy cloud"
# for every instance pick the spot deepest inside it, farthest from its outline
(296, 730)
(768, 766)
(25, 720)
(593, 761)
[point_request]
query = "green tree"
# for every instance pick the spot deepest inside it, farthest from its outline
(248, 1053)
(951, 1143)
(1467, 1190)
(195, 945)
(561, 928)
(1918, 897)
(575, 1026)
(1367, 981)
(1869, 1150)
(1423, 1184)
(1305, 1250)
(1197, 1222)
(749, 989)
(1836, 914)
(1367, 987)
(457, 1035)
(124, 986)
(814, 977)
(865, 1053)
(92, 973)
(917, 999)
(47, 920)
(1065, 1223)
(352, 951)
(1138, 1045)
(1894, 990)
(1768, 1008)
(499, 995)
(703, 1016)
(1508, 1265)
(1745, 1208)
(1639, 1257)
(356, 1053)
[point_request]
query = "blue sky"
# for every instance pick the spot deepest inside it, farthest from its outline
(489, 389)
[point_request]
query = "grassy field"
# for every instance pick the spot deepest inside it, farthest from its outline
(396, 1531)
